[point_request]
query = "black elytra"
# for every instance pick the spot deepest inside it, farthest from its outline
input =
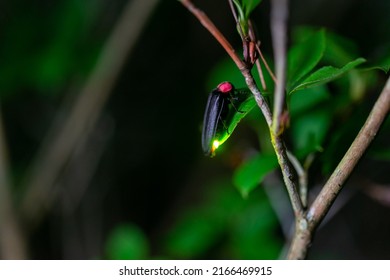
(215, 113)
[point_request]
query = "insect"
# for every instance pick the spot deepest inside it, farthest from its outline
(226, 107)
(217, 108)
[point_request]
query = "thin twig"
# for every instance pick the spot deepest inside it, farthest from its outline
(302, 177)
(63, 138)
(333, 186)
(261, 75)
(265, 62)
(256, 42)
(234, 13)
(288, 174)
(279, 13)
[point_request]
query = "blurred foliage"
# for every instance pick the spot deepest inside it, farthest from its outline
(127, 242)
(253, 171)
(130, 210)
(223, 226)
(47, 48)
(324, 84)
(226, 226)
(229, 226)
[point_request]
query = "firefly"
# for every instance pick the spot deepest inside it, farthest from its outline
(217, 108)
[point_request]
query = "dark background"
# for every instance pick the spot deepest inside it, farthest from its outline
(142, 163)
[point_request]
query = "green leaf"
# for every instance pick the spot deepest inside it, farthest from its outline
(304, 56)
(250, 174)
(309, 131)
(241, 108)
(385, 67)
(248, 6)
(242, 24)
(127, 242)
(244, 9)
(326, 74)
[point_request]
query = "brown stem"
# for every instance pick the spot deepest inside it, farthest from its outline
(333, 186)
(279, 14)
(306, 223)
(288, 174)
(367, 133)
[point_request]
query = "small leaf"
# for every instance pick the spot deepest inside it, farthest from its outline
(244, 9)
(327, 74)
(384, 67)
(382, 63)
(303, 57)
(242, 24)
(250, 174)
(249, 6)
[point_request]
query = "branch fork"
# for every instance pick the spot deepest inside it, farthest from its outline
(306, 220)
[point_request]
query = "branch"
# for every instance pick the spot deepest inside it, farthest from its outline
(333, 186)
(367, 133)
(64, 137)
(279, 12)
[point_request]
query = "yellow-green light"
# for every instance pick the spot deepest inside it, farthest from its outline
(215, 145)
